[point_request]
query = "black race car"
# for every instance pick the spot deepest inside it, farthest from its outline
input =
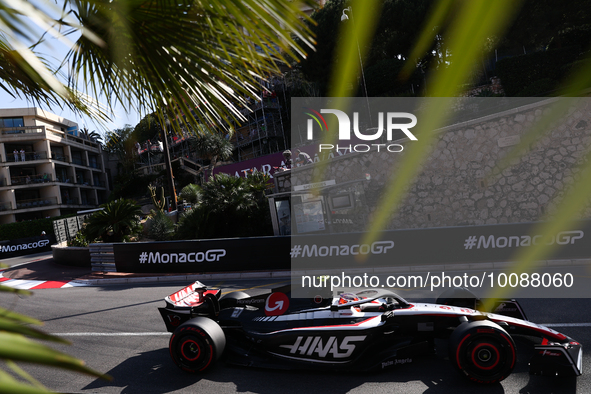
(368, 329)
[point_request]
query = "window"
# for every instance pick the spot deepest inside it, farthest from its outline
(11, 123)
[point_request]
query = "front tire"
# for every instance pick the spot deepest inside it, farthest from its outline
(482, 351)
(197, 344)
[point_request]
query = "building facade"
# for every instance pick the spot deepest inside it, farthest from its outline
(47, 167)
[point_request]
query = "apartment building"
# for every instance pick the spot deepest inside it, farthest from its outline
(48, 168)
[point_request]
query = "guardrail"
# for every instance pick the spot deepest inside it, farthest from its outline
(102, 258)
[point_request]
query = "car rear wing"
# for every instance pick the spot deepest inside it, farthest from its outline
(191, 301)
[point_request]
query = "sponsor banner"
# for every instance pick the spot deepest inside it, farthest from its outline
(270, 163)
(24, 246)
(470, 244)
(215, 255)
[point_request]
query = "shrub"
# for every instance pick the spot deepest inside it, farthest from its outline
(519, 72)
(230, 207)
(80, 240)
(161, 227)
(191, 193)
(117, 222)
(542, 87)
(31, 228)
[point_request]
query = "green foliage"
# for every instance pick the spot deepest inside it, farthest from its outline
(31, 228)
(396, 30)
(130, 185)
(541, 87)
(382, 78)
(519, 72)
(147, 129)
(549, 24)
(191, 193)
(118, 222)
(230, 207)
(122, 51)
(317, 64)
(212, 146)
(159, 203)
(17, 345)
(161, 227)
(79, 240)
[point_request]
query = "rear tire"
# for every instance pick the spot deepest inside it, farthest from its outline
(482, 351)
(197, 344)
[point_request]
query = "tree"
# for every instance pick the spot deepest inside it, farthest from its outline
(187, 59)
(118, 221)
(121, 143)
(191, 193)
(128, 52)
(212, 147)
(397, 26)
(229, 207)
(147, 129)
(90, 135)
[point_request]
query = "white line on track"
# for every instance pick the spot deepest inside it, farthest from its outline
(110, 334)
(154, 334)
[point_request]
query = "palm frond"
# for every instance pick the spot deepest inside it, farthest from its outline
(215, 55)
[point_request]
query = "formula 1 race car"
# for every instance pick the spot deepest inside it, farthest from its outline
(367, 329)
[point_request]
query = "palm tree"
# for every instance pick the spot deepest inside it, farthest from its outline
(212, 147)
(229, 207)
(186, 59)
(118, 221)
(216, 54)
(191, 193)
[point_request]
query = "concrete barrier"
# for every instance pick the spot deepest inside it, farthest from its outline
(70, 255)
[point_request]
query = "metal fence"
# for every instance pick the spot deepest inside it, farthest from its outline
(66, 229)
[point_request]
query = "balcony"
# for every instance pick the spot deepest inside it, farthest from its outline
(60, 157)
(63, 179)
(27, 156)
(22, 130)
(5, 206)
(89, 202)
(31, 179)
(78, 161)
(36, 203)
(70, 201)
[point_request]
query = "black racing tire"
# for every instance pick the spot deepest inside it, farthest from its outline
(197, 344)
(482, 351)
(229, 300)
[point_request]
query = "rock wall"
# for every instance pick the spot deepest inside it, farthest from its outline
(458, 186)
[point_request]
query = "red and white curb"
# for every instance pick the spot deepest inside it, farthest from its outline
(24, 284)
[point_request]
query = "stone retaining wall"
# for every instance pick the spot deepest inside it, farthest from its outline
(454, 187)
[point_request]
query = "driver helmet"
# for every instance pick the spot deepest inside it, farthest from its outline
(347, 297)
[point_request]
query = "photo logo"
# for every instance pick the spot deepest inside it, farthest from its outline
(389, 122)
(315, 117)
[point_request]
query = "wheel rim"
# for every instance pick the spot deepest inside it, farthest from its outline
(190, 350)
(486, 357)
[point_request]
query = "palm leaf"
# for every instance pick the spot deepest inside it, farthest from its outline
(18, 348)
(194, 71)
